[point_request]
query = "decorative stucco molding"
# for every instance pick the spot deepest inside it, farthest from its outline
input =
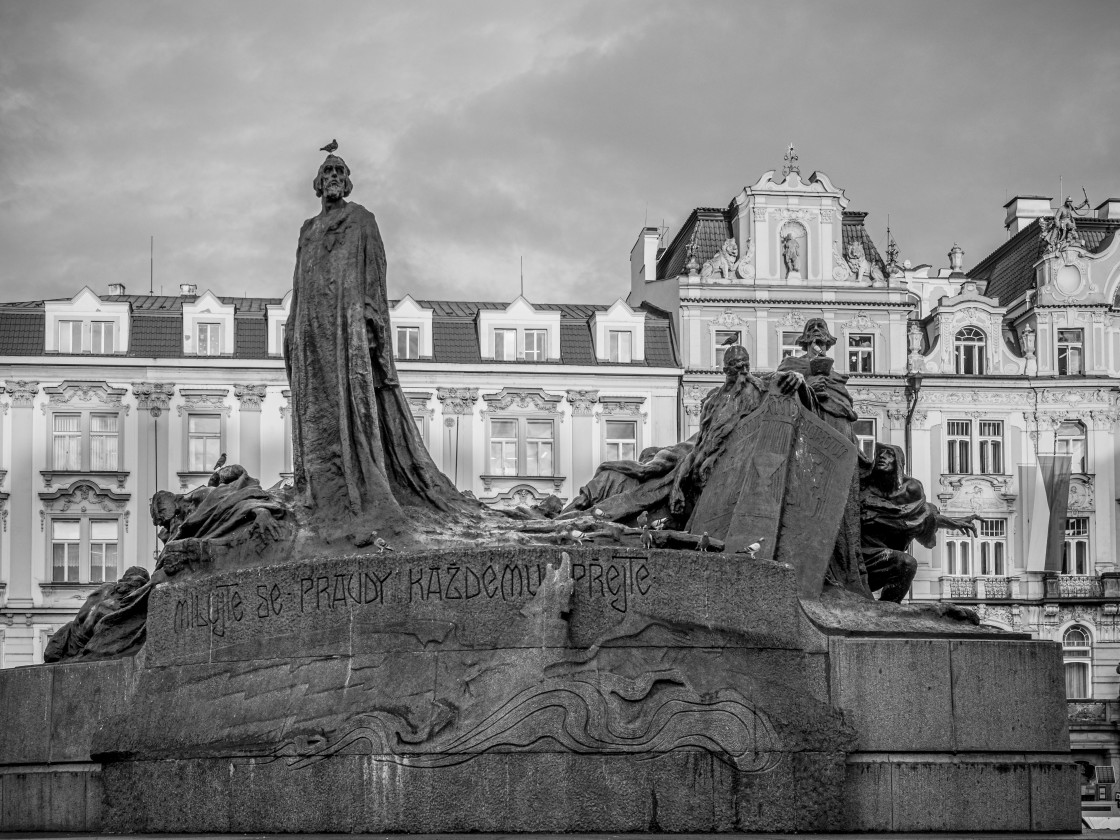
(153, 397)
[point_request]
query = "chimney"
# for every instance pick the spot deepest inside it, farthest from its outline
(188, 289)
(956, 259)
(643, 257)
(1109, 209)
(1024, 209)
(116, 288)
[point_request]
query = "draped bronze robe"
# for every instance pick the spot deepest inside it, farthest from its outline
(355, 447)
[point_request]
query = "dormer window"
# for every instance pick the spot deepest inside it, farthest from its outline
(101, 337)
(621, 346)
(505, 345)
(209, 339)
(968, 346)
(1071, 359)
(408, 342)
(69, 336)
(536, 345)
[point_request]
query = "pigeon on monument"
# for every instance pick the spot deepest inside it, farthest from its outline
(705, 542)
(330, 148)
(382, 546)
(221, 462)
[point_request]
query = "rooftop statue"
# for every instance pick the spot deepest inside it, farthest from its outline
(1061, 231)
(358, 457)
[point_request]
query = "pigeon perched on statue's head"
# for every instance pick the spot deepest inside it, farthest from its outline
(330, 147)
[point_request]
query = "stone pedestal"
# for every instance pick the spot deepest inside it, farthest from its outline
(592, 689)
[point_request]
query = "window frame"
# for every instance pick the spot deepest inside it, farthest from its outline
(84, 546)
(634, 440)
(865, 442)
(718, 348)
(1069, 441)
(521, 445)
(1063, 352)
(970, 348)
(85, 439)
(1072, 537)
(969, 452)
(509, 353)
(210, 326)
(857, 354)
(964, 555)
(408, 330)
(70, 324)
(788, 345)
(543, 350)
(1080, 656)
(221, 437)
(614, 347)
(112, 330)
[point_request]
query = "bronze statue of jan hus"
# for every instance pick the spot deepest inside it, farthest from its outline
(357, 454)
(894, 511)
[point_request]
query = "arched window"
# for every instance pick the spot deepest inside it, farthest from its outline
(1077, 653)
(968, 347)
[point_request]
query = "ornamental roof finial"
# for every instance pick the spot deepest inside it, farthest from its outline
(791, 162)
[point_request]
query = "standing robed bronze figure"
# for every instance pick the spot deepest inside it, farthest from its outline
(358, 456)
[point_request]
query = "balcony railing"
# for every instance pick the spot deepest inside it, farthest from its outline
(995, 588)
(1073, 586)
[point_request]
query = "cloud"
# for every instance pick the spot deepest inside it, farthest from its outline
(481, 133)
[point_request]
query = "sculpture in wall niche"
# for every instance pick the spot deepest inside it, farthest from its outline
(894, 512)
(358, 456)
(724, 264)
(1061, 231)
(792, 239)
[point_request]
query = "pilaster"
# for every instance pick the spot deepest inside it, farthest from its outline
(583, 437)
(152, 467)
(21, 586)
(250, 398)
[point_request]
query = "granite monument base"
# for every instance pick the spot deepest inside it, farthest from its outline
(590, 689)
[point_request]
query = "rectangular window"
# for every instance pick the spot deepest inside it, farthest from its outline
(864, 430)
(1070, 440)
(503, 447)
(992, 537)
(209, 339)
(102, 550)
(958, 554)
(204, 441)
(538, 448)
(505, 345)
(65, 541)
(621, 346)
(725, 339)
(789, 344)
(959, 434)
(408, 342)
(991, 447)
(103, 442)
(69, 336)
(67, 453)
(621, 441)
(101, 333)
(1070, 352)
(536, 345)
(1075, 549)
(861, 350)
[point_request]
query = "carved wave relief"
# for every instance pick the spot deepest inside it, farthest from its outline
(600, 714)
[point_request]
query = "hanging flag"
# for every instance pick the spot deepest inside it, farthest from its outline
(1056, 470)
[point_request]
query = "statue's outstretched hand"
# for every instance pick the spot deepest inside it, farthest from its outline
(966, 524)
(267, 526)
(789, 381)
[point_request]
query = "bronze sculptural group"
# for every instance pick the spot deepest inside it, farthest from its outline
(360, 465)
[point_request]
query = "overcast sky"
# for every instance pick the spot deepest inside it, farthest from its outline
(481, 132)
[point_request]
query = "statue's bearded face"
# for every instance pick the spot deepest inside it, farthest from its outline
(334, 180)
(736, 363)
(884, 461)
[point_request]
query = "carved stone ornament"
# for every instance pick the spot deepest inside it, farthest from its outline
(826, 215)
(286, 408)
(758, 213)
(519, 494)
(861, 323)
(153, 397)
(693, 410)
(723, 265)
(976, 493)
(1082, 496)
(582, 402)
(536, 400)
(794, 214)
(71, 394)
(419, 402)
(792, 320)
(204, 399)
(457, 400)
(83, 496)
(914, 338)
(745, 269)
(623, 406)
(22, 392)
(840, 269)
(728, 319)
(250, 396)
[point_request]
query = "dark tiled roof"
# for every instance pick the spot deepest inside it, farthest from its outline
(853, 230)
(21, 333)
(250, 338)
(1008, 271)
(712, 226)
(156, 336)
(157, 324)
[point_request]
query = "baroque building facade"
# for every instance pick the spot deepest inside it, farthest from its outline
(974, 373)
